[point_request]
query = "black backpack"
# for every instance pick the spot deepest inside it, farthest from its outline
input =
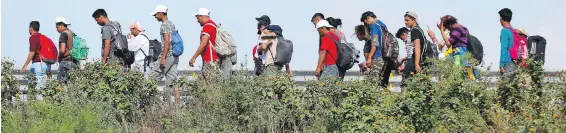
(346, 54)
(427, 51)
(120, 44)
(536, 47)
(476, 48)
(155, 49)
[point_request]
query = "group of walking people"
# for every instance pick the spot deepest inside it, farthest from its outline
(159, 58)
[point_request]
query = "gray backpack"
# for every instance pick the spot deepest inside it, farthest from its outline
(120, 44)
(284, 51)
(347, 54)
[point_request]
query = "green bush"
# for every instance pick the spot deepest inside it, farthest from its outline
(108, 100)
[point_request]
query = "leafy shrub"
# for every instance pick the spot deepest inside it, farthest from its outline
(109, 100)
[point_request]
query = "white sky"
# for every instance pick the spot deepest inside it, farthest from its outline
(237, 16)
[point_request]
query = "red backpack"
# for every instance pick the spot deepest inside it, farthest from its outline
(47, 50)
(518, 50)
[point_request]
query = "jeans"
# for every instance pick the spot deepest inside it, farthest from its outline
(40, 69)
(64, 68)
(330, 71)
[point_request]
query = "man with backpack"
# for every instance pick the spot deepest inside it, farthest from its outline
(506, 65)
(66, 62)
(415, 63)
(139, 44)
(269, 37)
(42, 54)
(206, 49)
(380, 66)
(114, 43)
(328, 52)
(168, 59)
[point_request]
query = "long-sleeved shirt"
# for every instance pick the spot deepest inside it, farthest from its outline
(137, 44)
(506, 40)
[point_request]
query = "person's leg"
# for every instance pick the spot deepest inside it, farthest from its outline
(329, 71)
(376, 69)
(39, 69)
(170, 76)
(226, 68)
(210, 70)
(388, 66)
(408, 71)
(271, 70)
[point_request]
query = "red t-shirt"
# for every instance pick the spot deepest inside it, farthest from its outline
(330, 47)
(209, 31)
(34, 46)
(254, 50)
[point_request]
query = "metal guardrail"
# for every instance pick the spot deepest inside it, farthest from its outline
(301, 77)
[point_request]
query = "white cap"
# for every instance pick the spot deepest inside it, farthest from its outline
(323, 23)
(138, 26)
(158, 9)
(203, 12)
(62, 20)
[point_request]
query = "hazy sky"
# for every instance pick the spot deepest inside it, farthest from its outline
(237, 16)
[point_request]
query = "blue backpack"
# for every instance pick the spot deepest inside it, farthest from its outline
(177, 44)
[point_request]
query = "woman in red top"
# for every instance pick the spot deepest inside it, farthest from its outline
(328, 53)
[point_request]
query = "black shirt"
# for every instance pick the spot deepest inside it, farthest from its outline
(417, 34)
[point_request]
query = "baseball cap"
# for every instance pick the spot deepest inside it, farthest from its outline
(159, 8)
(138, 26)
(323, 23)
(62, 20)
(413, 14)
(264, 19)
(202, 12)
(522, 31)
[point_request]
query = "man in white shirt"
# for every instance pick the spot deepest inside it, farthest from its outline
(139, 44)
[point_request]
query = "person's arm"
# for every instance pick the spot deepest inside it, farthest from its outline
(106, 50)
(288, 69)
(504, 53)
(320, 63)
(203, 43)
(417, 43)
(106, 37)
(375, 41)
(33, 41)
(166, 45)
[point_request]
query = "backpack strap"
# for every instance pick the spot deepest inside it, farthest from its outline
(424, 42)
(335, 43)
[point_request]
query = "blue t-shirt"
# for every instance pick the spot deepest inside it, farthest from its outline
(375, 31)
(506, 40)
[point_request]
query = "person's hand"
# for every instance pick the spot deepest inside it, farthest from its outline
(431, 34)
(23, 69)
(192, 62)
(418, 68)
(368, 63)
(129, 35)
(439, 25)
(162, 64)
(317, 71)
(501, 70)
